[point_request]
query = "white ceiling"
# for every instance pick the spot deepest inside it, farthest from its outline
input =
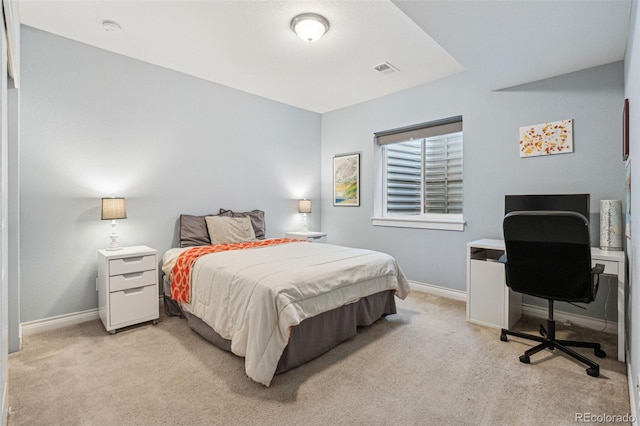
(248, 45)
(511, 42)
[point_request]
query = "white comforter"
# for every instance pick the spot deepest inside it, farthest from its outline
(252, 297)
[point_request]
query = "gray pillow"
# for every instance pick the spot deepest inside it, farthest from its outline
(257, 220)
(228, 230)
(193, 231)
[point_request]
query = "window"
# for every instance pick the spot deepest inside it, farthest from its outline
(421, 176)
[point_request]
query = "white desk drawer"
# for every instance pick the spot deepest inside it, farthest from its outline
(133, 280)
(610, 268)
(128, 265)
(133, 305)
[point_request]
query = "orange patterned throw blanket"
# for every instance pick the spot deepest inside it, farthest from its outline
(181, 272)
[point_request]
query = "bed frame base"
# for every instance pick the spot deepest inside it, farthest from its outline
(313, 336)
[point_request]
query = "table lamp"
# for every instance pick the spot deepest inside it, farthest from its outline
(304, 207)
(114, 208)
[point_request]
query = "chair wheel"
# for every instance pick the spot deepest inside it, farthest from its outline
(599, 353)
(524, 359)
(593, 371)
(503, 337)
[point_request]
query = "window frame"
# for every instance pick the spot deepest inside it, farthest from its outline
(442, 221)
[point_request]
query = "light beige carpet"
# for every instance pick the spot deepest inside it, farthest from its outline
(423, 366)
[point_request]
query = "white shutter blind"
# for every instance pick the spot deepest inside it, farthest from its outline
(404, 177)
(443, 174)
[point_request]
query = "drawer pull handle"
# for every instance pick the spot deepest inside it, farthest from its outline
(132, 259)
(133, 290)
(133, 275)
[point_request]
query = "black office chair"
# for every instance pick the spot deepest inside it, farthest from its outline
(548, 255)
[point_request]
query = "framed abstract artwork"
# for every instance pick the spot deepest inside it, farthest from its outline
(625, 130)
(346, 180)
(546, 139)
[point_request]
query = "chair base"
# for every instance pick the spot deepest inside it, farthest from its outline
(548, 341)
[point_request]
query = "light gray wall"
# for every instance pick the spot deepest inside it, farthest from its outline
(4, 229)
(492, 166)
(632, 92)
(96, 124)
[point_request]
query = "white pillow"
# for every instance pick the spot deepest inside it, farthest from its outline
(225, 229)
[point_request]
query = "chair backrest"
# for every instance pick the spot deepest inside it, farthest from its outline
(549, 255)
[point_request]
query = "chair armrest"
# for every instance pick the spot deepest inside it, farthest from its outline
(595, 274)
(597, 270)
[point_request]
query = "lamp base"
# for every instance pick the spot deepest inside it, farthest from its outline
(114, 238)
(114, 245)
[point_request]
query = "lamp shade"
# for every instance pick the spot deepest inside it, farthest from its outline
(304, 206)
(310, 26)
(114, 208)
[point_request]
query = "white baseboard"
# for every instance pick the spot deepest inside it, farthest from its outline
(5, 403)
(439, 291)
(530, 310)
(569, 318)
(46, 324)
(633, 393)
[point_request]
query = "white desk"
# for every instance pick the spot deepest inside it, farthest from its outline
(614, 265)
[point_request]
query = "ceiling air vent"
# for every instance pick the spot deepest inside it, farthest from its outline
(385, 68)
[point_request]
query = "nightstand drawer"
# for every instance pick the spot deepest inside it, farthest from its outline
(133, 280)
(133, 305)
(127, 265)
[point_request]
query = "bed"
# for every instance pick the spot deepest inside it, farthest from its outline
(276, 302)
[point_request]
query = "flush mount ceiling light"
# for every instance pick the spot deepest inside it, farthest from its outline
(310, 26)
(110, 26)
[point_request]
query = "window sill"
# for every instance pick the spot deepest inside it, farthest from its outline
(401, 222)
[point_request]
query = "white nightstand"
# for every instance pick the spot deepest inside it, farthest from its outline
(313, 237)
(127, 286)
